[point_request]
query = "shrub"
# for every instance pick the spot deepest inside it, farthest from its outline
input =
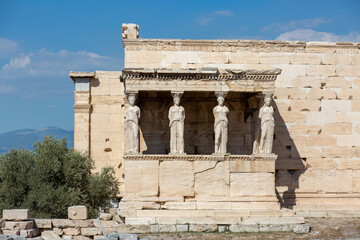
(52, 178)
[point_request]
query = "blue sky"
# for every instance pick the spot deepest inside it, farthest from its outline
(41, 41)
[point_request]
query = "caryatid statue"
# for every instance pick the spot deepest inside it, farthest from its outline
(176, 118)
(132, 115)
(221, 125)
(266, 114)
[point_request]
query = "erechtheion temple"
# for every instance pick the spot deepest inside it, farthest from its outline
(211, 131)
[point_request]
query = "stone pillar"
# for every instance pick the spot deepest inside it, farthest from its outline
(176, 124)
(221, 124)
(82, 110)
(131, 117)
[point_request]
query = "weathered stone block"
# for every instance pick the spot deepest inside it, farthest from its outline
(336, 105)
(306, 82)
(15, 214)
(252, 166)
(78, 212)
(203, 227)
(244, 228)
(90, 231)
(293, 117)
(301, 228)
(211, 178)
(348, 140)
(305, 59)
(339, 181)
(321, 140)
(106, 216)
(25, 225)
(273, 58)
(43, 223)
(29, 233)
(50, 235)
(317, 93)
(244, 58)
(305, 105)
(182, 227)
(142, 177)
(176, 178)
(335, 82)
(66, 223)
(170, 228)
(337, 128)
(261, 184)
(320, 70)
(335, 59)
(71, 231)
(11, 232)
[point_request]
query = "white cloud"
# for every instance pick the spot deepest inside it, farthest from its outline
(55, 64)
(7, 47)
(302, 23)
(312, 35)
(203, 21)
(224, 13)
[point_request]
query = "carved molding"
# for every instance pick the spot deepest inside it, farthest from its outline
(200, 74)
(159, 157)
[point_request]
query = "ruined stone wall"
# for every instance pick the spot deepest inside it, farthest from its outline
(317, 102)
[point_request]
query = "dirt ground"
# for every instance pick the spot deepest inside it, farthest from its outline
(321, 228)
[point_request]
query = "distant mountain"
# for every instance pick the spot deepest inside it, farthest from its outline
(25, 138)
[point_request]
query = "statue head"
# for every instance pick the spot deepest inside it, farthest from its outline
(267, 100)
(131, 99)
(177, 100)
(221, 100)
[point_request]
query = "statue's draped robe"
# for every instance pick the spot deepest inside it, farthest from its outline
(132, 115)
(267, 129)
(221, 128)
(176, 117)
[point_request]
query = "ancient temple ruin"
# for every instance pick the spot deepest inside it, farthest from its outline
(212, 131)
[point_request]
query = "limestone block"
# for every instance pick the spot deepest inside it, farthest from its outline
(306, 82)
(348, 140)
(337, 128)
(335, 59)
(140, 221)
(106, 216)
(301, 228)
(308, 181)
(24, 225)
(336, 105)
(211, 178)
(232, 213)
(143, 59)
(142, 177)
(305, 59)
(78, 212)
(302, 128)
(274, 58)
(337, 181)
(244, 228)
(348, 71)
(107, 224)
(305, 105)
(182, 227)
(90, 231)
(252, 166)
(321, 140)
(58, 231)
(290, 163)
(11, 232)
(203, 227)
(175, 213)
(176, 178)
(96, 237)
(320, 118)
(15, 214)
(261, 184)
(320, 70)
(179, 205)
(293, 117)
(355, 105)
(49, 235)
(99, 86)
(355, 59)
(31, 233)
(316, 93)
(244, 58)
(356, 181)
(335, 82)
(71, 231)
(167, 228)
(81, 238)
(65, 223)
(282, 104)
(213, 205)
(43, 223)
(336, 152)
(213, 57)
(289, 93)
(355, 151)
(288, 73)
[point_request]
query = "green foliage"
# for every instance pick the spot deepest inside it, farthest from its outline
(52, 178)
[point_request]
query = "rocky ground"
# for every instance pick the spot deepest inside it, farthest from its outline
(322, 228)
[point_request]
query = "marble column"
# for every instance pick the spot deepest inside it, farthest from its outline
(131, 116)
(176, 124)
(221, 124)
